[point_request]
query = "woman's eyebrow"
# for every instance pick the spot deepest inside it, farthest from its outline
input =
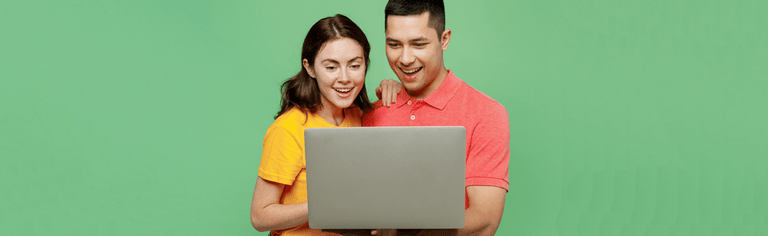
(356, 58)
(330, 60)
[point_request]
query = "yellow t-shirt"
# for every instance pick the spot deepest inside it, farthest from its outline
(283, 161)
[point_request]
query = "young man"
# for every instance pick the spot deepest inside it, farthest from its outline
(434, 96)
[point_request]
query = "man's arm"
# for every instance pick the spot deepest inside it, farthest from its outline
(486, 206)
(487, 174)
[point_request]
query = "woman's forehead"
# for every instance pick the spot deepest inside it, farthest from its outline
(341, 50)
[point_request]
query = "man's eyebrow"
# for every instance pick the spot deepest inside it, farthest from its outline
(412, 40)
(419, 39)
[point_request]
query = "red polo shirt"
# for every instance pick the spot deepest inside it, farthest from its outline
(454, 103)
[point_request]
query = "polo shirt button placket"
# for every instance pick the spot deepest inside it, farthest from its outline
(413, 109)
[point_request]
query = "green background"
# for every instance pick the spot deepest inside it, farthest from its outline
(147, 117)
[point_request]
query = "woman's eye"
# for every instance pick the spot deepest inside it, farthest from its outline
(355, 66)
(330, 67)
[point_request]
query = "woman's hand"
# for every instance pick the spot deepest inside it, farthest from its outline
(387, 91)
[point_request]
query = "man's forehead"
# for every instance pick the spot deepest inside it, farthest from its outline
(409, 27)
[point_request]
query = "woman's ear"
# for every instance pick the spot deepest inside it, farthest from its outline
(309, 69)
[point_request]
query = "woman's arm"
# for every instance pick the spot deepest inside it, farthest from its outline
(267, 214)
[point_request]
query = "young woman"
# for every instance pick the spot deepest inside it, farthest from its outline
(329, 91)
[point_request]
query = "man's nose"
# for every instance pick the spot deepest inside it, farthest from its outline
(407, 58)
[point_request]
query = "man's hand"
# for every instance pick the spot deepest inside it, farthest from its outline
(368, 232)
(387, 91)
(415, 232)
(350, 232)
(384, 232)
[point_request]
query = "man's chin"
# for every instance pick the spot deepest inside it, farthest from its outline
(405, 79)
(412, 86)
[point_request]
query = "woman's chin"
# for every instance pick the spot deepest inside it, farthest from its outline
(342, 104)
(345, 103)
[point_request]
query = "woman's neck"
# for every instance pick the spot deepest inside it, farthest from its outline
(331, 113)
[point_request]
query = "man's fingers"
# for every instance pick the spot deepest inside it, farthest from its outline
(349, 232)
(384, 232)
(408, 232)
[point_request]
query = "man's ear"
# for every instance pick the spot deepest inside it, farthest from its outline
(445, 39)
(309, 68)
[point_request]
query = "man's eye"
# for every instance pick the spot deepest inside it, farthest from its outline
(355, 66)
(393, 45)
(419, 44)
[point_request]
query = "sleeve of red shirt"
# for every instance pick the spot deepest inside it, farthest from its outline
(488, 158)
(369, 118)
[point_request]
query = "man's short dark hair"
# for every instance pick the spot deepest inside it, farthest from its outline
(436, 10)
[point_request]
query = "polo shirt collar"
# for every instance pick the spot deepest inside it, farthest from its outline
(440, 97)
(402, 97)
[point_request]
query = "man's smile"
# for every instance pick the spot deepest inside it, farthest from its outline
(410, 72)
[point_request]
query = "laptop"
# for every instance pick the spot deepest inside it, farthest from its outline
(386, 177)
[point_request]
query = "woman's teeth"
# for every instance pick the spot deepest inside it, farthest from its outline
(343, 90)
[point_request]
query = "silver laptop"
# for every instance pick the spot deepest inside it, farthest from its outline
(386, 177)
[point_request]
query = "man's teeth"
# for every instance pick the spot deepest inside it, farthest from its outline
(343, 90)
(411, 71)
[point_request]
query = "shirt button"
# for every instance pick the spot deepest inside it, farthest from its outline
(413, 117)
(409, 102)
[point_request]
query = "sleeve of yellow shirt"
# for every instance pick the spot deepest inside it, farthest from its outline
(281, 160)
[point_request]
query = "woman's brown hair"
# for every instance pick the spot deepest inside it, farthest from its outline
(302, 90)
